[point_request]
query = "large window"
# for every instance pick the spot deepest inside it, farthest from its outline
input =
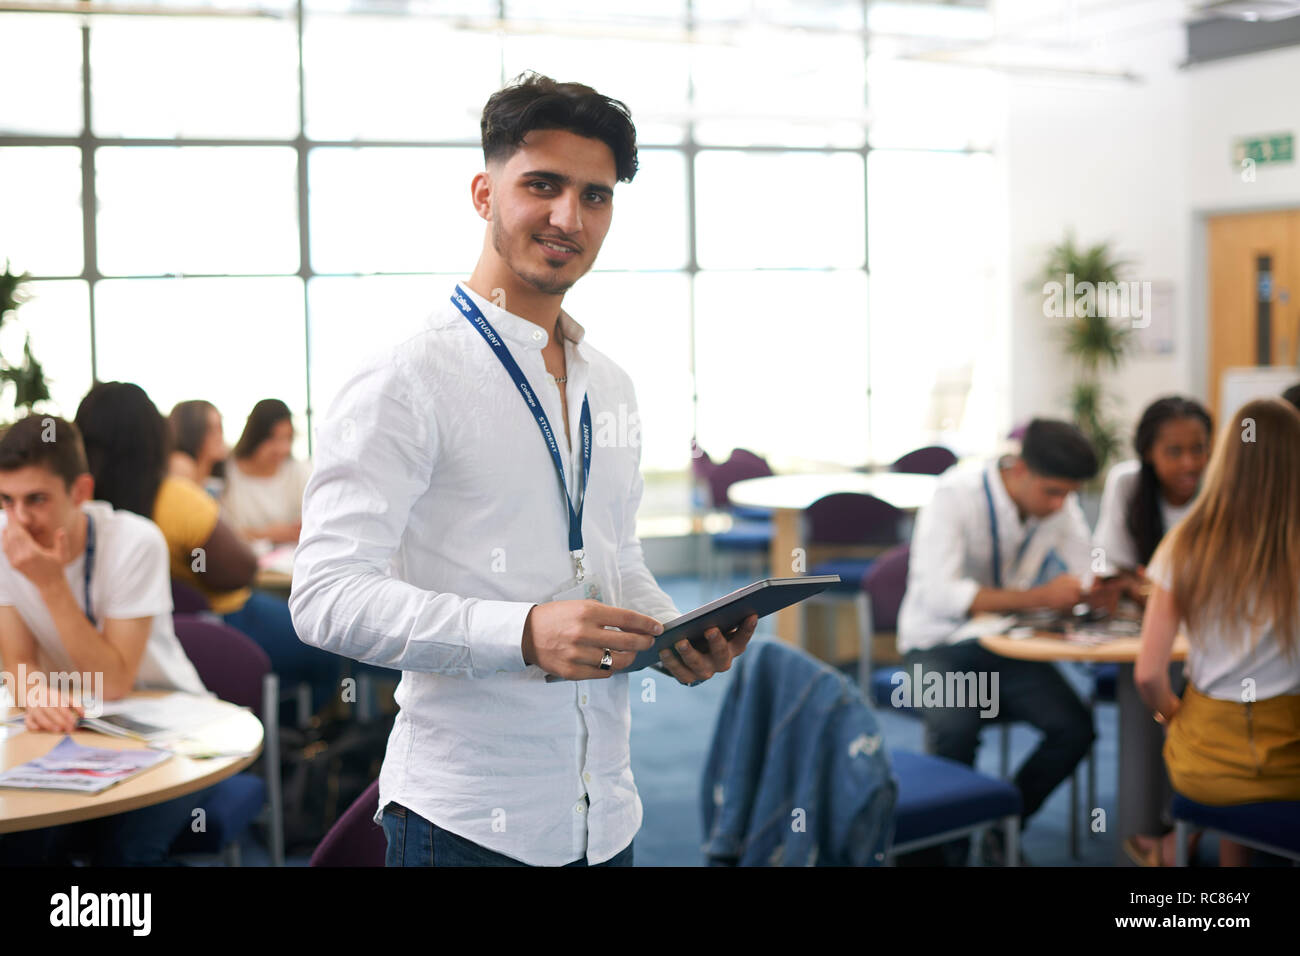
(802, 266)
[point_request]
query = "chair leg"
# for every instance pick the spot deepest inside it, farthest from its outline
(304, 704)
(1181, 832)
(1074, 814)
(271, 764)
(1092, 765)
(1011, 829)
(866, 633)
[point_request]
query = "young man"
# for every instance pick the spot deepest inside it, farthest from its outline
(1007, 537)
(83, 589)
(452, 530)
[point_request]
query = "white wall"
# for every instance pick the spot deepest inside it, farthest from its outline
(1134, 163)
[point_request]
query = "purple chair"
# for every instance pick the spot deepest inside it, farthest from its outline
(355, 839)
(187, 599)
(930, 460)
(751, 529)
(234, 668)
(740, 465)
(848, 518)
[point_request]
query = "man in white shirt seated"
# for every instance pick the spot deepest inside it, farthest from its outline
(454, 531)
(1005, 538)
(84, 590)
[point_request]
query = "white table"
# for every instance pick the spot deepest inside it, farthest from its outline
(788, 496)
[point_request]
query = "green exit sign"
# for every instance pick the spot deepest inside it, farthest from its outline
(1279, 148)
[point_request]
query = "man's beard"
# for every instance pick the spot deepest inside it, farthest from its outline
(541, 283)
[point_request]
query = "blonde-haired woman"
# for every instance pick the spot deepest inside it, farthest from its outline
(1230, 574)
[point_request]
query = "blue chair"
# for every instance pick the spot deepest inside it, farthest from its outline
(234, 668)
(940, 800)
(1273, 827)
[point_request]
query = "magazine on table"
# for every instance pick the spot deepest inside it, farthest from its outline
(73, 768)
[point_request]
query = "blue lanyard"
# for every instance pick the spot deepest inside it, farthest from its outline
(90, 565)
(474, 314)
(993, 527)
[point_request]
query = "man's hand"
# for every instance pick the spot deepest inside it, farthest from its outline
(43, 567)
(569, 638)
(1105, 594)
(694, 666)
(1060, 594)
(57, 717)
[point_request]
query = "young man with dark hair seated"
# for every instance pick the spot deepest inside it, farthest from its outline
(83, 589)
(1004, 538)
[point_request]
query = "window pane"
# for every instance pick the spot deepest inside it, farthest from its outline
(935, 356)
(649, 226)
(798, 90)
(642, 322)
(58, 318)
(353, 318)
(931, 105)
(199, 77)
(230, 341)
(401, 209)
(40, 75)
(779, 210)
(40, 227)
(197, 209)
(396, 78)
(781, 360)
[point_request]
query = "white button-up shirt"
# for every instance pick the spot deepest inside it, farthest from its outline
(952, 553)
(432, 523)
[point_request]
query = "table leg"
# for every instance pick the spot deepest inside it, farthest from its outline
(787, 535)
(1143, 789)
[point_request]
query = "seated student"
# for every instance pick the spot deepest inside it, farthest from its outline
(83, 588)
(1230, 574)
(127, 443)
(1147, 496)
(199, 443)
(1007, 537)
(264, 484)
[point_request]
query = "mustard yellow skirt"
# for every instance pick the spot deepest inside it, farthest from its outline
(1223, 752)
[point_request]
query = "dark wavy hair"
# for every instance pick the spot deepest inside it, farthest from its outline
(127, 445)
(44, 441)
(265, 415)
(1143, 520)
(1056, 449)
(533, 101)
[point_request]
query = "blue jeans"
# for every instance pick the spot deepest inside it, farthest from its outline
(415, 841)
(140, 837)
(265, 618)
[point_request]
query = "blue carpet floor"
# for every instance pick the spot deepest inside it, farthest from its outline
(672, 727)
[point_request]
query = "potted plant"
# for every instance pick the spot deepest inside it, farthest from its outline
(28, 378)
(1093, 340)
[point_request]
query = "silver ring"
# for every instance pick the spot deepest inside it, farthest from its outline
(607, 661)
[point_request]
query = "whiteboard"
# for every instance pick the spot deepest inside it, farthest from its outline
(1241, 385)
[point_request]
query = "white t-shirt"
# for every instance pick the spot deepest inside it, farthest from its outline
(255, 502)
(1218, 669)
(1118, 549)
(130, 579)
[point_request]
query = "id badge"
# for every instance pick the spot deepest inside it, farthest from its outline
(588, 589)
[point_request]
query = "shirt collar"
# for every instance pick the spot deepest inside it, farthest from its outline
(518, 330)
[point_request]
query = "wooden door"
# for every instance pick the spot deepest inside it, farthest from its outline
(1244, 248)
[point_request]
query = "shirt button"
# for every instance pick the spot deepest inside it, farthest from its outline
(587, 777)
(579, 808)
(537, 335)
(584, 698)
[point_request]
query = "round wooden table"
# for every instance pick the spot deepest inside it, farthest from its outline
(174, 777)
(1143, 789)
(788, 496)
